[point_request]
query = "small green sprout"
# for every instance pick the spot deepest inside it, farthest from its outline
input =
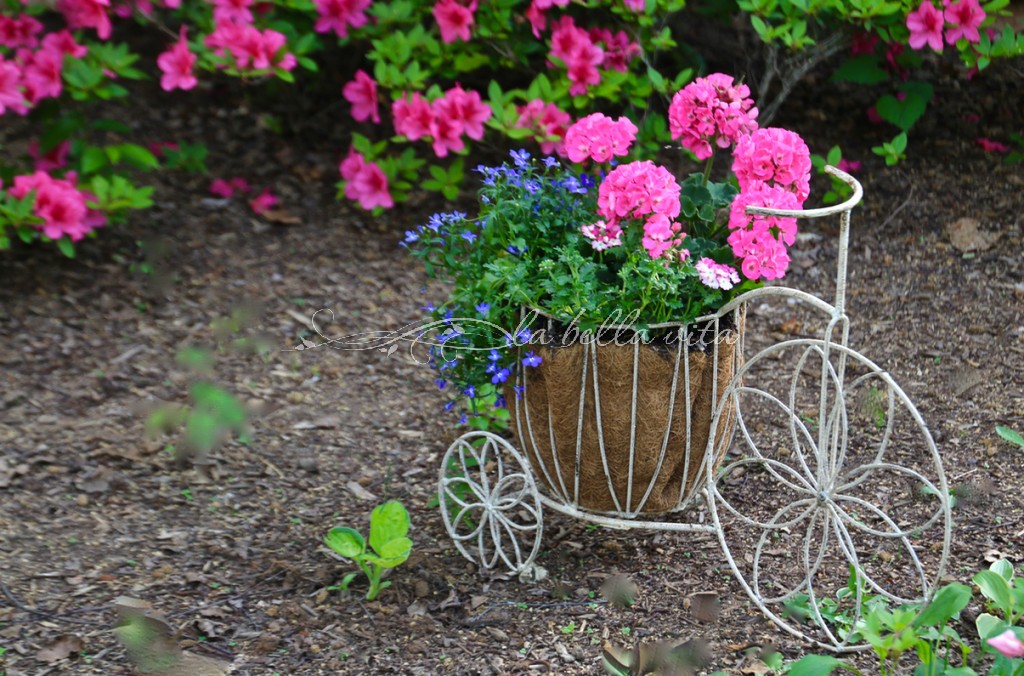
(389, 524)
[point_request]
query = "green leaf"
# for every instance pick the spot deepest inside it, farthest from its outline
(139, 156)
(863, 69)
(816, 665)
(346, 542)
(995, 589)
(948, 601)
(1003, 568)
(988, 625)
(388, 521)
(1010, 435)
(93, 159)
(66, 247)
(394, 552)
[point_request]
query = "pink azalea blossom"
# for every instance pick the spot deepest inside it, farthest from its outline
(362, 94)
(925, 25)
(11, 97)
(60, 205)
(619, 50)
(599, 137)
(177, 64)
(548, 122)
(990, 146)
(447, 135)
(638, 6)
(711, 110)
(87, 14)
(238, 11)
(366, 182)
(264, 202)
(413, 117)
(964, 18)
(240, 184)
(19, 31)
(716, 275)
(849, 166)
(158, 148)
(340, 15)
(465, 110)
(454, 20)
(64, 43)
(574, 47)
(776, 156)
(1008, 645)
(250, 47)
(863, 43)
(537, 17)
(42, 74)
(221, 188)
(55, 158)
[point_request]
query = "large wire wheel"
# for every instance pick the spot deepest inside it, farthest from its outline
(489, 502)
(837, 501)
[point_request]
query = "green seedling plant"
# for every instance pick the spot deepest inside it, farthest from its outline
(1012, 436)
(389, 524)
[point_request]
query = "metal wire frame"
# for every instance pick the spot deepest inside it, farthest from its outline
(509, 508)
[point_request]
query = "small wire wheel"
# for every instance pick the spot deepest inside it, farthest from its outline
(489, 502)
(837, 502)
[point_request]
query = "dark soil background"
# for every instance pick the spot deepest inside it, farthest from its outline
(229, 552)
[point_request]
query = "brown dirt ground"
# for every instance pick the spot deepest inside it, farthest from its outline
(230, 552)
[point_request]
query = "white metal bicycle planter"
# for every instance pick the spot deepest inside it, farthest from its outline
(822, 435)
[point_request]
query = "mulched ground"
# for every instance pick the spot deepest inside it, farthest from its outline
(229, 552)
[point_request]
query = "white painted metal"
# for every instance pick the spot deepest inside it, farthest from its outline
(492, 506)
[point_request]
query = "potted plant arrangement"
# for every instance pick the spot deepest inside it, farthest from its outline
(601, 273)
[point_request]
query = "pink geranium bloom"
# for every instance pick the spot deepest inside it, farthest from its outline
(602, 235)
(454, 20)
(87, 14)
(1008, 645)
(340, 15)
(413, 118)
(711, 110)
(925, 25)
(177, 64)
(965, 17)
(11, 96)
(237, 11)
(990, 146)
(716, 275)
(464, 110)
(264, 202)
(636, 190)
(362, 94)
(599, 137)
(772, 197)
(776, 156)
(56, 158)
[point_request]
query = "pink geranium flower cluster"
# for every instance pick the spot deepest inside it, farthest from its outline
(34, 74)
(548, 122)
(599, 137)
(960, 20)
(366, 182)
(603, 235)
(773, 168)
(61, 206)
(455, 20)
(716, 275)
(340, 15)
(711, 110)
(250, 47)
(642, 191)
(445, 120)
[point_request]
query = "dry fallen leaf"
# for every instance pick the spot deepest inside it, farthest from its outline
(62, 648)
(965, 235)
(705, 606)
(360, 492)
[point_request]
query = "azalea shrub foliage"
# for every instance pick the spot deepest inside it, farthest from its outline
(431, 79)
(600, 239)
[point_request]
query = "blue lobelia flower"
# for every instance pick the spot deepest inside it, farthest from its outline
(440, 382)
(500, 377)
(469, 236)
(483, 308)
(499, 401)
(550, 162)
(532, 360)
(520, 157)
(470, 391)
